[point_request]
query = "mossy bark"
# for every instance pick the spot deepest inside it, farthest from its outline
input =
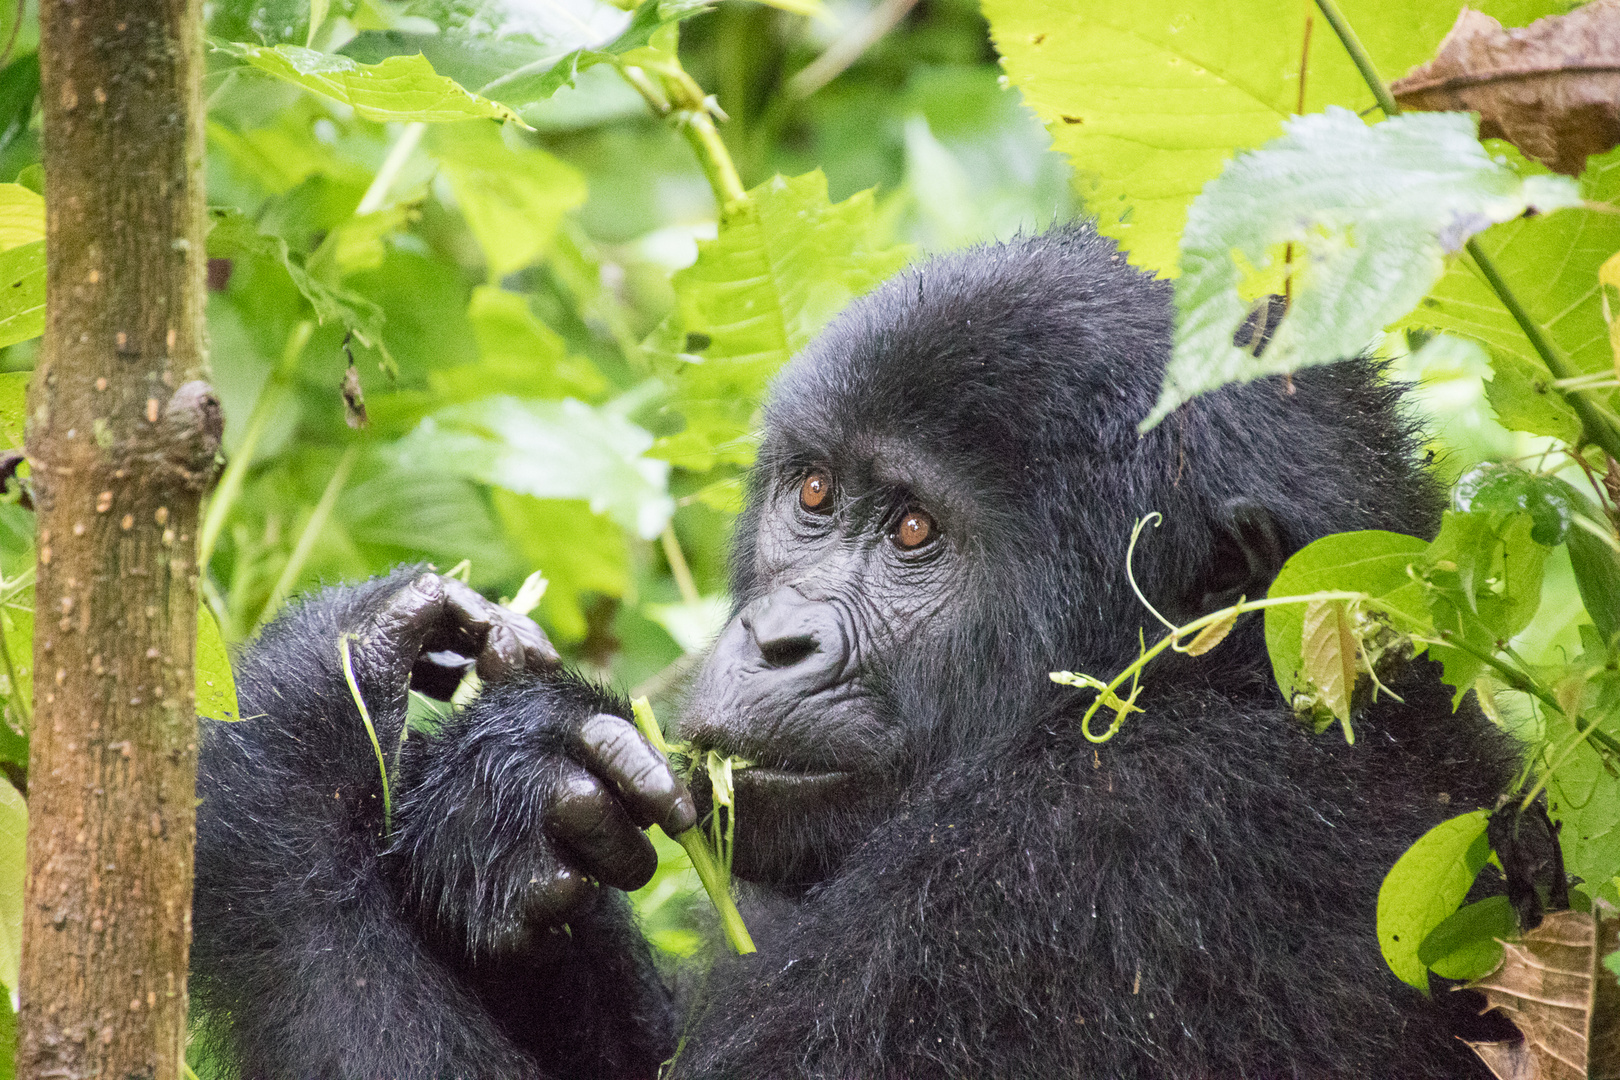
(122, 439)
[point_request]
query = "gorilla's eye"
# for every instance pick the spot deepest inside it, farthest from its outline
(914, 530)
(815, 494)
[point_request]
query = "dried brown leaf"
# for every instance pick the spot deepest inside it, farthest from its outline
(1551, 88)
(1555, 988)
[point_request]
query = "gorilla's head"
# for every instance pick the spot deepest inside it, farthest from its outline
(939, 517)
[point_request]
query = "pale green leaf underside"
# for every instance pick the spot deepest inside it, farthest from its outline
(399, 88)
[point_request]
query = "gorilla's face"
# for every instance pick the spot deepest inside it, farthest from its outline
(857, 561)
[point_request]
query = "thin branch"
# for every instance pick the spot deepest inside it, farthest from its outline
(312, 530)
(849, 47)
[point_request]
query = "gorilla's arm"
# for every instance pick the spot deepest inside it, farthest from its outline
(310, 957)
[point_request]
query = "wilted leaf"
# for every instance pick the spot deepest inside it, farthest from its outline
(1212, 635)
(400, 88)
(1424, 887)
(1555, 988)
(1551, 88)
(1329, 656)
(1373, 210)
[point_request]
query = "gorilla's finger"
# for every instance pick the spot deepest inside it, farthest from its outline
(502, 655)
(584, 817)
(556, 894)
(504, 642)
(615, 751)
(397, 631)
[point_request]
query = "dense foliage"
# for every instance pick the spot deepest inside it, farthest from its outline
(498, 286)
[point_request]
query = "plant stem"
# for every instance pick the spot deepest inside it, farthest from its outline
(680, 100)
(371, 730)
(1359, 57)
(230, 482)
(398, 154)
(1594, 427)
(312, 530)
(715, 883)
(677, 565)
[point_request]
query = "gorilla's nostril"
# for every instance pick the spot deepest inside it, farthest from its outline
(787, 651)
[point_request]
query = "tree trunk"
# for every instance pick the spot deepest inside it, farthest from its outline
(122, 437)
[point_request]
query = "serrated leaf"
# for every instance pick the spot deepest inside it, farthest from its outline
(1371, 561)
(22, 293)
(1424, 887)
(234, 234)
(1149, 99)
(1483, 574)
(1522, 395)
(216, 686)
(1551, 264)
(782, 265)
(513, 199)
(551, 450)
(22, 216)
(1551, 503)
(400, 88)
(1329, 659)
(1372, 213)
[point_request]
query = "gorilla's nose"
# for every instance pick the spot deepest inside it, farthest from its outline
(789, 631)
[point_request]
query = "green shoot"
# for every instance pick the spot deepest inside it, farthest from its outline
(371, 730)
(712, 872)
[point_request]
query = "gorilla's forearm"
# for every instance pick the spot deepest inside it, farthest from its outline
(308, 961)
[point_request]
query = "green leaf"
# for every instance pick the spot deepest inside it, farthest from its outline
(234, 234)
(22, 293)
(1491, 488)
(579, 551)
(1597, 578)
(13, 408)
(782, 265)
(1466, 945)
(1372, 562)
(1483, 574)
(1551, 264)
(17, 626)
(513, 198)
(518, 355)
(400, 88)
(1424, 887)
(13, 862)
(216, 686)
(1521, 393)
(1330, 657)
(1372, 211)
(1150, 98)
(22, 216)
(552, 450)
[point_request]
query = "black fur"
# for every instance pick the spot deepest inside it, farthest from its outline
(1194, 898)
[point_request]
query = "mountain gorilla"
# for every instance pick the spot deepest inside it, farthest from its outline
(948, 879)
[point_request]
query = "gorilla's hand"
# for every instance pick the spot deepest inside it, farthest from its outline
(432, 628)
(521, 804)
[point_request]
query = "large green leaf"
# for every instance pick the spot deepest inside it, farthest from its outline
(551, 450)
(1372, 562)
(400, 88)
(1424, 887)
(578, 551)
(22, 293)
(216, 686)
(783, 264)
(1369, 211)
(22, 216)
(1551, 264)
(1150, 98)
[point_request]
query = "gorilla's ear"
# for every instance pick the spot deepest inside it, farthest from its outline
(1248, 554)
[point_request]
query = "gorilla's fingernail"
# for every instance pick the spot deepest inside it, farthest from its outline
(682, 816)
